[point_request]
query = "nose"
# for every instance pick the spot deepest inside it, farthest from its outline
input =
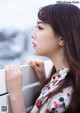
(33, 35)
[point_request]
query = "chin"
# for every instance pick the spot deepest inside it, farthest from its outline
(39, 54)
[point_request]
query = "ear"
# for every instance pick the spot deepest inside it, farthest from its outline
(61, 41)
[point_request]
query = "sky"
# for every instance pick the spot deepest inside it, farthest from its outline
(21, 14)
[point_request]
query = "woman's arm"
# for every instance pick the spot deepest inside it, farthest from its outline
(17, 103)
(14, 80)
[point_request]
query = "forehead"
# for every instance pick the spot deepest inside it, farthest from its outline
(43, 23)
(40, 22)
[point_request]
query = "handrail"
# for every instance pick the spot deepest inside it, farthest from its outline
(30, 83)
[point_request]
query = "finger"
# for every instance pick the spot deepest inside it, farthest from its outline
(37, 62)
(13, 71)
(7, 71)
(35, 67)
(18, 69)
(9, 74)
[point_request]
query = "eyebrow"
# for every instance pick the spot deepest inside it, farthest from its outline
(40, 23)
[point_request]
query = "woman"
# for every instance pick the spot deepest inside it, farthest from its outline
(57, 36)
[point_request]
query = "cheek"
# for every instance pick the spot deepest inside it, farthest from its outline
(48, 48)
(41, 47)
(46, 44)
(44, 48)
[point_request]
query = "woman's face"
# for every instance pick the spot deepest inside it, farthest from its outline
(44, 40)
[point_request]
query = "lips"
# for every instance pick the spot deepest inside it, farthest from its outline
(33, 45)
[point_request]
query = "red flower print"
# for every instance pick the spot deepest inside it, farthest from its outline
(59, 75)
(46, 111)
(60, 82)
(38, 103)
(56, 104)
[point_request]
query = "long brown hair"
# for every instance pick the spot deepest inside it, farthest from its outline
(65, 22)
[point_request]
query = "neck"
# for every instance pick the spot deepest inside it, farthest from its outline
(59, 62)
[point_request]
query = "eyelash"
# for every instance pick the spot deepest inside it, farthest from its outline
(39, 27)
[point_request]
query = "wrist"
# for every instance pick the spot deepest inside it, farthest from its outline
(17, 102)
(15, 95)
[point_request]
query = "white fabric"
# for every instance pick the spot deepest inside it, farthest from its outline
(59, 102)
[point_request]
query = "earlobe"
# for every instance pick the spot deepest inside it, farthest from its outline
(61, 42)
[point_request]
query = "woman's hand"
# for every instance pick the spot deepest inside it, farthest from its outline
(38, 66)
(14, 79)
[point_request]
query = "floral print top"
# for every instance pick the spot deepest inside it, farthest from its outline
(57, 103)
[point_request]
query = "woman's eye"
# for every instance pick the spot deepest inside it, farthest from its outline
(38, 27)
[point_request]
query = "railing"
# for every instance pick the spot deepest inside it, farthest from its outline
(30, 83)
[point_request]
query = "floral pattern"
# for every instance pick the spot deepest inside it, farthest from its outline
(58, 103)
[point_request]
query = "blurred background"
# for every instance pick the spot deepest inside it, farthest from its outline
(17, 21)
